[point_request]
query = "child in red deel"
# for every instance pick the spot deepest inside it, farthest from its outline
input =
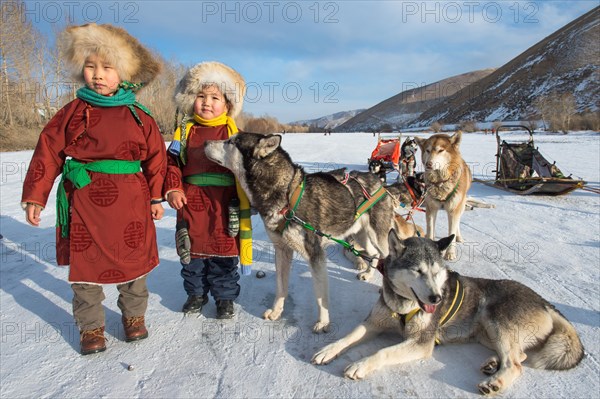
(113, 161)
(213, 213)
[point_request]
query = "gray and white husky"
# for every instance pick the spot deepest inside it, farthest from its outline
(270, 179)
(426, 303)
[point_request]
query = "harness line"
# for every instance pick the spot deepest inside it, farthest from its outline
(289, 214)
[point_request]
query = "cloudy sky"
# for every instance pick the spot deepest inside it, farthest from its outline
(306, 59)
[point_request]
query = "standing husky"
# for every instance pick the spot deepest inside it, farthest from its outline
(447, 181)
(425, 303)
(279, 189)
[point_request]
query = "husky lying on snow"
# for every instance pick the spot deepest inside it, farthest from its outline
(425, 303)
(280, 189)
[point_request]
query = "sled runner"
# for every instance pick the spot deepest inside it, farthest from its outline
(523, 170)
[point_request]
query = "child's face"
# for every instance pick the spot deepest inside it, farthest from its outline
(210, 103)
(100, 76)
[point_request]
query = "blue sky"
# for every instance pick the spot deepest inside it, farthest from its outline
(306, 59)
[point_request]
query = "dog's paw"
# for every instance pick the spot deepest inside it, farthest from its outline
(450, 252)
(459, 238)
(325, 355)
(357, 370)
(490, 366)
(271, 314)
(361, 265)
(321, 327)
(366, 275)
(491, 386)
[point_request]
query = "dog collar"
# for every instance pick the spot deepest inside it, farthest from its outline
(405, 318)
(459, 295)
(453, 191)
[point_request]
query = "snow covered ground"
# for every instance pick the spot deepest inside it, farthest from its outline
(552, 244)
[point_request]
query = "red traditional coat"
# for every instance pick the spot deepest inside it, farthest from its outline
(112, 238)
(206, 211)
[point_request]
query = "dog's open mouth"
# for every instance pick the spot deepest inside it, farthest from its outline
(426, 308)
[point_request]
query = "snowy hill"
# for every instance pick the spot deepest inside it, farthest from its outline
(397, 111)
(329, 121)
(568, 61)
(548, 243)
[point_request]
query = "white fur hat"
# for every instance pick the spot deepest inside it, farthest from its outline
(230, 83)
(132, 61)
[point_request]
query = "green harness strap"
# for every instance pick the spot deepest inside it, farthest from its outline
(77, 173)
(290, 216)
(370, 202)
(452, 192)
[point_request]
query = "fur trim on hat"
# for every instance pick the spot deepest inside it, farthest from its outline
(131, 60)
(230, 83)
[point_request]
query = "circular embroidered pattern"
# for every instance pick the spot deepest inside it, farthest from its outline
(37, 171)
(128, 150)
(111, 276)
(103, 192)
(195, 200)
(221, 242)
(81, 238)
(172, 180)
(133, 236)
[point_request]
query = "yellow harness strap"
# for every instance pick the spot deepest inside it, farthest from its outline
(459, 295)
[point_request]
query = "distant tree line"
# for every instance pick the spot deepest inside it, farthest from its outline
(556, 111)
(34, 85)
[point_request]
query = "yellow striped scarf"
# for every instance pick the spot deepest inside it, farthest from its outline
(245, 235)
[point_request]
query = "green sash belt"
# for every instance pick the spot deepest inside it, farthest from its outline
(211, 179)
(77, 173)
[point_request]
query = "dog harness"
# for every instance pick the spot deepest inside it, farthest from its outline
(453, 191)
(459, 295)
(289, 214)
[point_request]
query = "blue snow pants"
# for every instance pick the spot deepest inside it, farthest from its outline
(219, 276)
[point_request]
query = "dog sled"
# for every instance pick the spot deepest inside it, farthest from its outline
(523, 170)
(393, 155)
(387, 152)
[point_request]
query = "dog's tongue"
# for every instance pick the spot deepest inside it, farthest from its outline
(429, 308)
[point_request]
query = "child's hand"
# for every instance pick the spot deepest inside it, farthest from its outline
(176, 199)
(157, 211)
(32, 214)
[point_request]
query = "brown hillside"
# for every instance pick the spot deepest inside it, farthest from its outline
(567, 61)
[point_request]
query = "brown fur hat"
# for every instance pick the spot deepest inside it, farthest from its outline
(230, 83)
(132, 61)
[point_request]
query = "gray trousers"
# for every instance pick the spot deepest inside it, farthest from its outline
(87, 302)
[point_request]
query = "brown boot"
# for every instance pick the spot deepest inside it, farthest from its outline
(135, 329)
(92, 341)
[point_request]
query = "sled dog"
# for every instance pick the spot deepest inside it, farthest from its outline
(272, 182)
(378, 168)
(447, 181)
(404, 228)
(426, 303)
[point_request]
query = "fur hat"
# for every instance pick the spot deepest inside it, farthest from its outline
(132, 61)
(230, 83)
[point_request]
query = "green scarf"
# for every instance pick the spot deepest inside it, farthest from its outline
(124, 96)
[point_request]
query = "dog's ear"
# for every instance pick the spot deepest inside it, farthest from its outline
(396, 245)
(444, 243)
(455, 139)
(421, 142)
(267, 145)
